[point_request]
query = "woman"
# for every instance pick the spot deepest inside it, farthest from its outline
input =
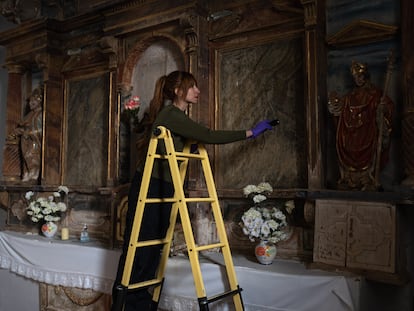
(180, 88)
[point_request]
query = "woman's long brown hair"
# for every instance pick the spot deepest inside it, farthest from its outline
(165, 88)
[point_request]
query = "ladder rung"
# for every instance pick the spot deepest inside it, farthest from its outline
(162, 200)
(150, 242)
(159, 156)
(225, 294)
(199, 200)
(173, 200)
(184, 156)
(209, 246)
(145, 284)
(180, 156)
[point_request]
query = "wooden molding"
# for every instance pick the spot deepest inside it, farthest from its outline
(361, 32)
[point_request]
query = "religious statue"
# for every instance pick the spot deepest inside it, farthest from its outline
(30, 133)
(363, 120)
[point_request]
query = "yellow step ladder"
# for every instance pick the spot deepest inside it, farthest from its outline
(178, 164)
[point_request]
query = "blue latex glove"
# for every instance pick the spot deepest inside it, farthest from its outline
(260, 128)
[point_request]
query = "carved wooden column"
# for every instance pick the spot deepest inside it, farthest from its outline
(200, 113)
(52, 145)
(315, 66)
(315, 93)
(407, 32)
(12, 158)
(109, 47)
(123, 154)
(191, 49)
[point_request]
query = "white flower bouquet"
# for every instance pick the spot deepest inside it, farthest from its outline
(47, 208)
(265, 221)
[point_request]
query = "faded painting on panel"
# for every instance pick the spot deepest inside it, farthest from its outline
(86, 153)
(256, 83)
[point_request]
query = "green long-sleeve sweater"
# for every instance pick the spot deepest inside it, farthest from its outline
(183, 129)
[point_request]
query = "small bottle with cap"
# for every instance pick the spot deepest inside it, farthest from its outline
(84, 236)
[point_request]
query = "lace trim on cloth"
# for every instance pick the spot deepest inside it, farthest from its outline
(57, 278)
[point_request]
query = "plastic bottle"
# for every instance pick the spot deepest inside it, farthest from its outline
(84, 237)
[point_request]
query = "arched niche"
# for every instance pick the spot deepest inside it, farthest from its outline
(145, 64)
(160, 58)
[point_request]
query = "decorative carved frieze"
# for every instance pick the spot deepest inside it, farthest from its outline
(255, 16)
(18, 11)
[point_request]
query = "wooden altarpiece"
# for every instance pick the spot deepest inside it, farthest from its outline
(252, 61)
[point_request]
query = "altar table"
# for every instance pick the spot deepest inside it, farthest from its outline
(68, 263)
(284, 285)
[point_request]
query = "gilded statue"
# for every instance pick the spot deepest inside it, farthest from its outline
(363, 119)
(29, 134)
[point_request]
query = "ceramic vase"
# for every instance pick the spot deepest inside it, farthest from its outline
(265, 252)
(49, 229)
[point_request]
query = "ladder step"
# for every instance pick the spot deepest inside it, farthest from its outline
(185, 156)
(209, 246)
(150, 242)
(225, 294)
(155, 200)
(180, 156)
(199, 200)
(145, 284)
(173, 200)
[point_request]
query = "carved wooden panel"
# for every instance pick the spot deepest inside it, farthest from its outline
(371, 236)
(331, 232)
(355, 234)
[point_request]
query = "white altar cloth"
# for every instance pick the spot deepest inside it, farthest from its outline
(68, 263)
(283, 286)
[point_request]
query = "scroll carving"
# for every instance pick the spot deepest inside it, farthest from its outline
(310, 12)
(18, 209)
(309, 212)
(80, 297)
(190, 34)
